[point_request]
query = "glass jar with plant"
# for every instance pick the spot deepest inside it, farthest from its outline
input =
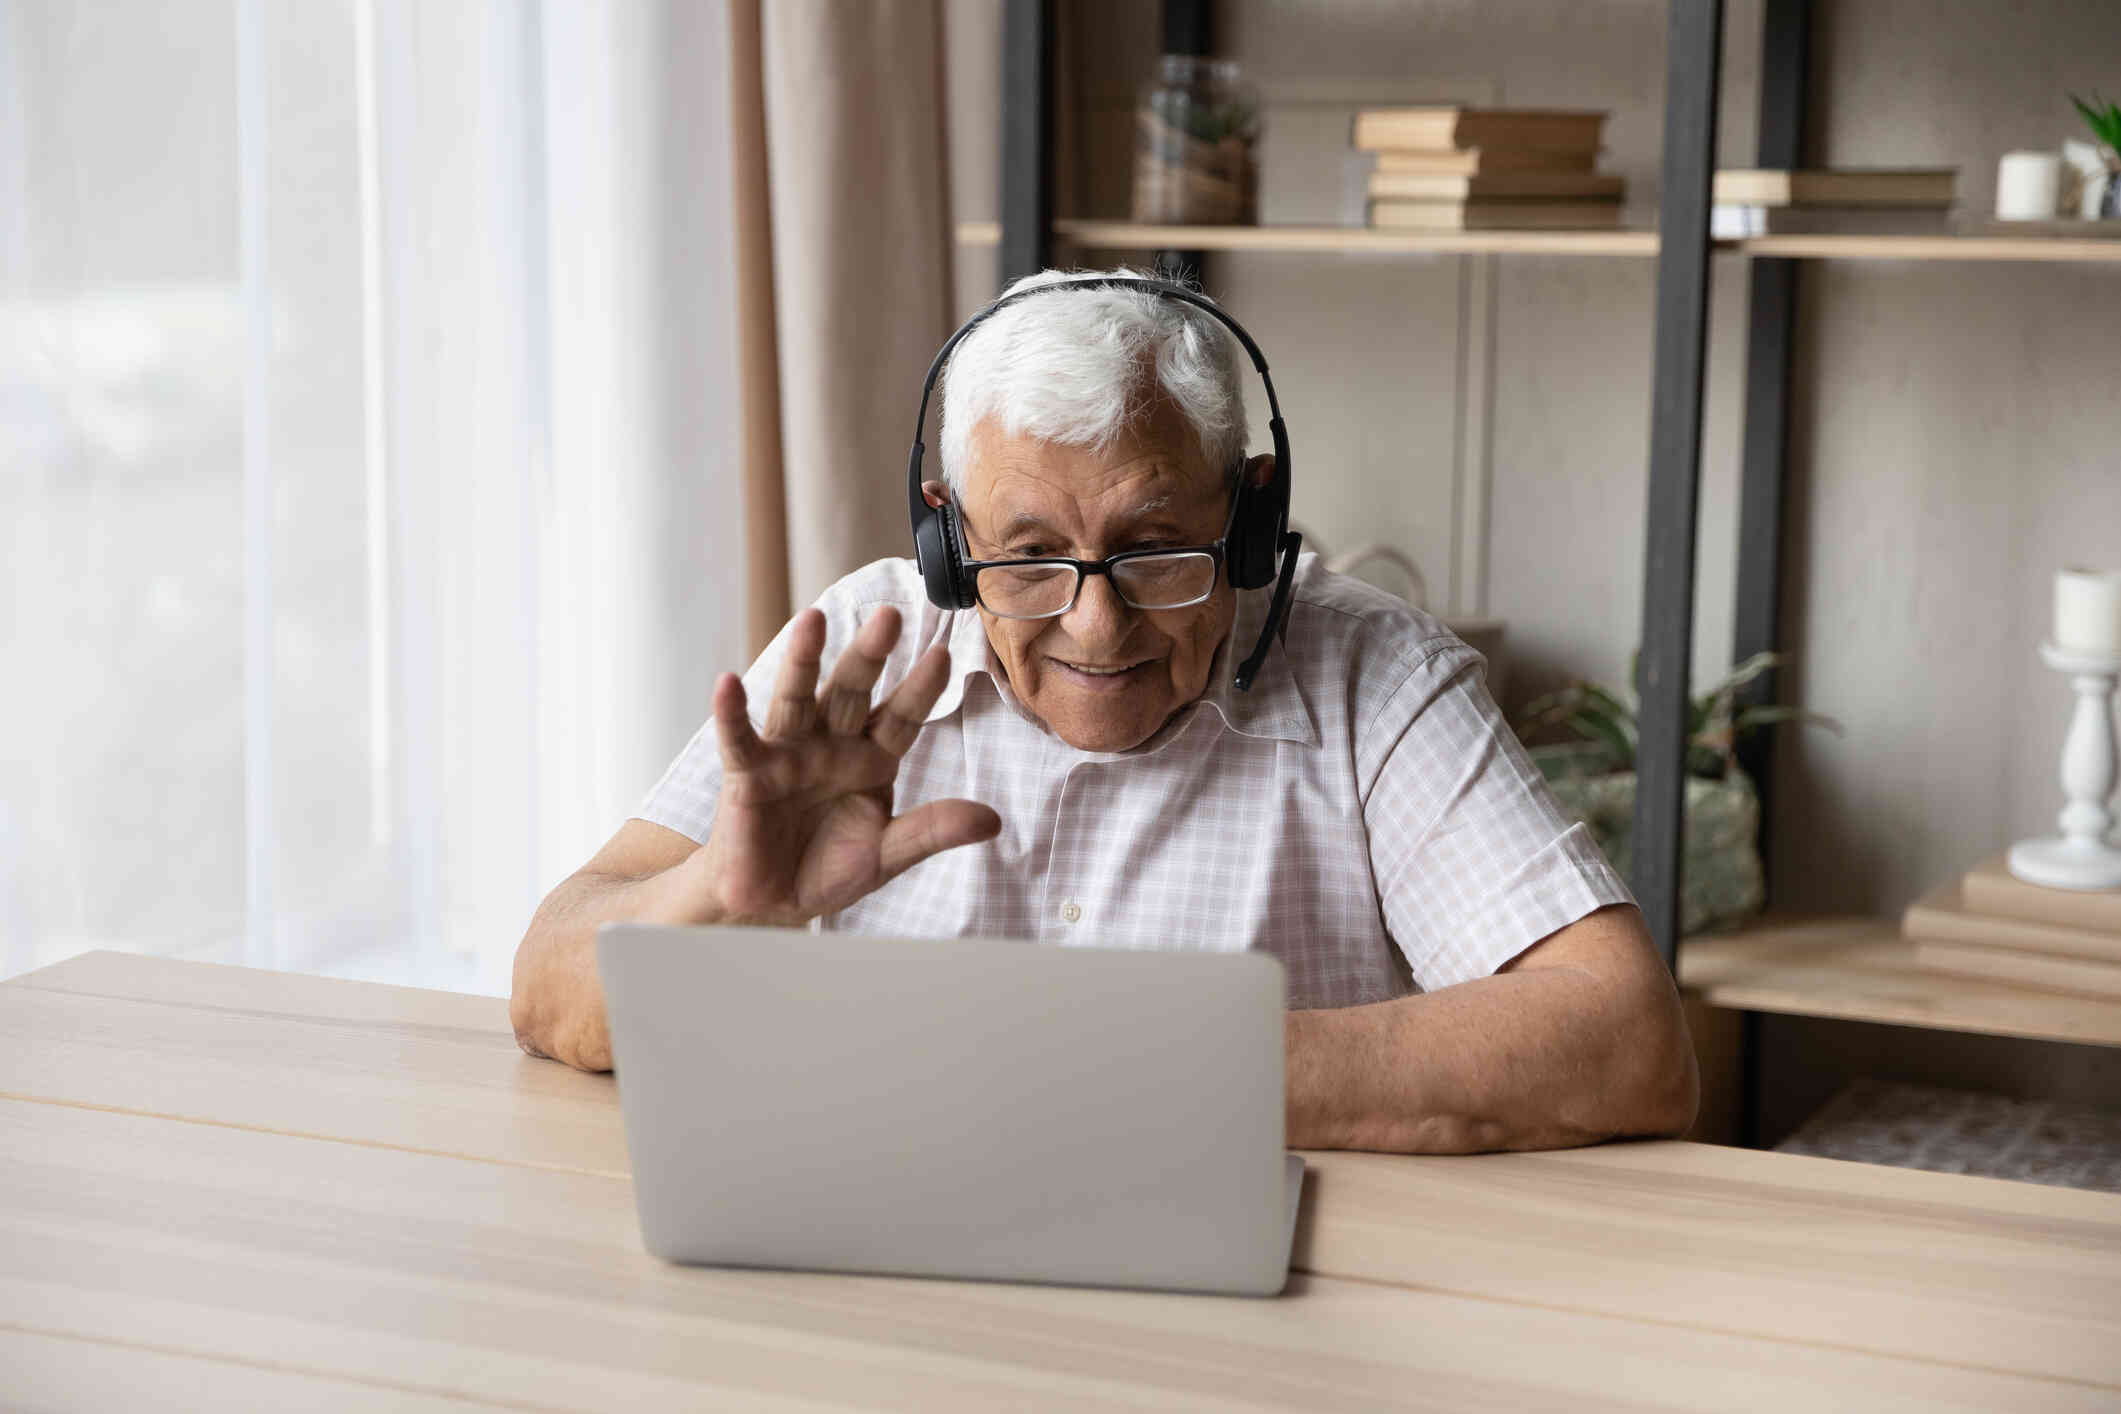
(1196, 138)
(2104, 119)
(1592, 777)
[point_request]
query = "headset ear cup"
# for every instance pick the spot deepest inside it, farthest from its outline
(960, 578)
(1261, 515)
(942, 569)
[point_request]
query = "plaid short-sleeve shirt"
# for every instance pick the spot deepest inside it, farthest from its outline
(1363, 813)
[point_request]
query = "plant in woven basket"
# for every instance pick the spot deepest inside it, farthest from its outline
(1593, 780)
(1715, 721)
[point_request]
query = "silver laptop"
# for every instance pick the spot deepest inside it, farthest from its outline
(954, 1108)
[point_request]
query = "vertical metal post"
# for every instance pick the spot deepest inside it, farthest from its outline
(1771, 323)
(1693, 58)
(1027, 130)
(1189, 28)
(1749, 1080)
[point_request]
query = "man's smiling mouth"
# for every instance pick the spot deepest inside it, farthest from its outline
(1103, 671)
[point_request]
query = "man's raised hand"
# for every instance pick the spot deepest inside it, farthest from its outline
(804, 824)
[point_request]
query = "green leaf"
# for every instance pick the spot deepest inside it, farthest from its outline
(1709, 762)
(1703, 711)
(1552, 708)
(2104, 121)
(1751, 668)
(1598, 726)
(1764, 716)
(1622, 714)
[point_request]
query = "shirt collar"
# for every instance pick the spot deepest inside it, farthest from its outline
(968, 655)
(1274, 709)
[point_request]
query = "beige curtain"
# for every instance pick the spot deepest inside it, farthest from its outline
(844, 278)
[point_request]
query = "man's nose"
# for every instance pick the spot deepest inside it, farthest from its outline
(1100, 617)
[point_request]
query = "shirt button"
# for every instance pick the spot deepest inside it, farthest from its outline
(1071, 911)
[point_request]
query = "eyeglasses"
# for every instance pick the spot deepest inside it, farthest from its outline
(1047, 587)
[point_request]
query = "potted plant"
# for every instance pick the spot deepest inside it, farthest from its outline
(2104, 119)
(1593, 779)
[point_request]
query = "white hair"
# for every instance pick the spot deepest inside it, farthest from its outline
(1079, 367)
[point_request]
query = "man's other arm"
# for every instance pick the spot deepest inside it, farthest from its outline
(557, 1000)
(1578, 1039)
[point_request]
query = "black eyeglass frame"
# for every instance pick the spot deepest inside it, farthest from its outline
(1218, 551)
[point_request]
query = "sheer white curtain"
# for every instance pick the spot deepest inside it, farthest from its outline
(369, 506)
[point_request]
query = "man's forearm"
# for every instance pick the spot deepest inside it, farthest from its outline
(1537, 1059)
(556, 1001)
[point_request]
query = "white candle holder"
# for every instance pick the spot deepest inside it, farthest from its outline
(2082, 857)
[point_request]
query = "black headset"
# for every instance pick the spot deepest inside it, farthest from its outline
(1259, 519)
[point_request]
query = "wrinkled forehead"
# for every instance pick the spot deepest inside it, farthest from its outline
(1154, 466)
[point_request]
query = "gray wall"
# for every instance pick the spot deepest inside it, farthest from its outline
(1954, 442)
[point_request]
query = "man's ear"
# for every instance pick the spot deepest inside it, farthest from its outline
(935, 493)
(1259, 471)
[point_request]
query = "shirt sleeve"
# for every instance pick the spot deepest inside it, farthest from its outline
(1473, 859)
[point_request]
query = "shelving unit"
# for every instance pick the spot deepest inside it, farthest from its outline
(1852, 967)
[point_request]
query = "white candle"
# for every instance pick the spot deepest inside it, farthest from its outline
(2027, 184)
(2088, 612)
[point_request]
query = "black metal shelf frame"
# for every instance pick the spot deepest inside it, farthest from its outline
(1693, 62)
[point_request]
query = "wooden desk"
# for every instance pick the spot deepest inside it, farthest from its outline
(226, 1187)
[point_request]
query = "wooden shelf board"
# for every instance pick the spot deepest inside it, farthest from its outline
(1125, 235)
(1859, 968)
(2046, 249)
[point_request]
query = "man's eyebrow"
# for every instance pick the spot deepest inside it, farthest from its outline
(1026, 521)
(1018, 524)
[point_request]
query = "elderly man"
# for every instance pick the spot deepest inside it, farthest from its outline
(1068, 763)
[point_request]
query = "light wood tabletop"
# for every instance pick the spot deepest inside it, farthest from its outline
(230, 1187)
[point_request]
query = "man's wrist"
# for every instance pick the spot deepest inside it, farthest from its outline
(682, 895)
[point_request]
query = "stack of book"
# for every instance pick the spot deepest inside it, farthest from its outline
(1481, 169)
(1994, 925)
(1837, 201)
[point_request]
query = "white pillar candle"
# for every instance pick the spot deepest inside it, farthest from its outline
(2027, 184)
(2088, 612)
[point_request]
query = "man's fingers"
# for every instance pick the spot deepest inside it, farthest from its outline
(741, 747)
(932, 828)
(898, 720)
(845, 699)
(793, 711)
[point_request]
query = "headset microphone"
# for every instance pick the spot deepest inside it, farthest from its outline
(1261, 549)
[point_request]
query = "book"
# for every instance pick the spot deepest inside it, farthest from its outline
(1436, 186)
(1471, 161)
(1836, 186)
(1990, 888)
(1494, 215)
(1452, 126)
(1943, 916)
(1732, 222)
(2074, 975)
